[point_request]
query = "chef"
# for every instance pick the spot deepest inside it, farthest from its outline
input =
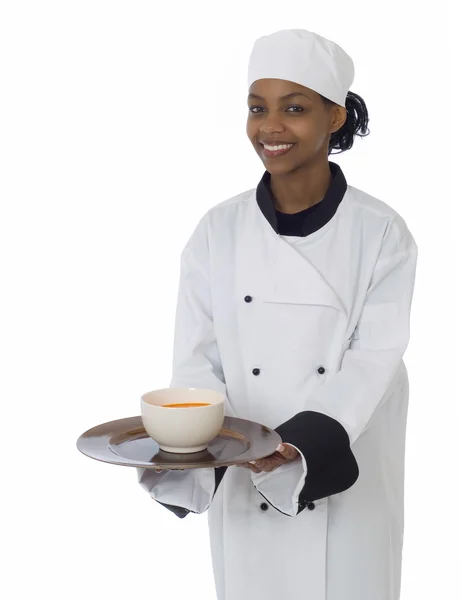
(294, 302)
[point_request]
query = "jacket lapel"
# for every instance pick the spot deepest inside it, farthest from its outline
(274, 269)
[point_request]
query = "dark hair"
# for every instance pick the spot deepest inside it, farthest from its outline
(355, 124)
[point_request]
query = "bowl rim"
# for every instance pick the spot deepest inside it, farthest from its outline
(219, 400)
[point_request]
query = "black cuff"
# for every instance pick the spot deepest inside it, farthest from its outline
(179, 511)
(323, 441)
(219, 474)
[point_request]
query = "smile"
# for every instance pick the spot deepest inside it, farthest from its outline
(274, 151)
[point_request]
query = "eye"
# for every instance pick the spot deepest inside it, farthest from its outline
(299, 109)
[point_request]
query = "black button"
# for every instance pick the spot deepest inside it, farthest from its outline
(321, 370)
(248, 298)
(311, 506)
(256, 371)
(264, 506)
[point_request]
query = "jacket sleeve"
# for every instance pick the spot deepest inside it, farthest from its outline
(182, 492)
(196, 363)
(283, 486)
(339, 411)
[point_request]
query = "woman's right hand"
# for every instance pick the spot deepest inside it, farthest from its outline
(162, 470)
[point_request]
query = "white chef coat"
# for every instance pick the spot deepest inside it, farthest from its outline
(304, 333)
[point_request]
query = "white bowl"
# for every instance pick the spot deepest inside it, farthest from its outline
(183, 429)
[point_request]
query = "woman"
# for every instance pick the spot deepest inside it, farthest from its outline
(294, 302)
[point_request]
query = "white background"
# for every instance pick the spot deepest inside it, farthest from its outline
(122, 123)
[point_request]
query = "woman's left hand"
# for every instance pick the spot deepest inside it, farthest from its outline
(284, 454)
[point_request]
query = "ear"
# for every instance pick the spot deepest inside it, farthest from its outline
(339, 118)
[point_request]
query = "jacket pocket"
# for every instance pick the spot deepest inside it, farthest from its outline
(377, 326)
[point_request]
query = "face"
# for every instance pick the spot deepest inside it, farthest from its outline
(302, 119)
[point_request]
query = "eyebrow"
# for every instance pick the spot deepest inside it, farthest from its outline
(291, 95)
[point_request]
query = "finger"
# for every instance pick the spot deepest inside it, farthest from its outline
(270, 465)
(255, 469)
(251, 466)
(248, 466)
(288, 451)
(262, 464)
(165, 470)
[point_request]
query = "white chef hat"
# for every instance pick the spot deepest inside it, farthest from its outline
(305, 58)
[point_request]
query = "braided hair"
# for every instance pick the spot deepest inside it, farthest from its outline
(355, 124)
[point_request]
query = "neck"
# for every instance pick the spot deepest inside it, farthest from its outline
(294, 192)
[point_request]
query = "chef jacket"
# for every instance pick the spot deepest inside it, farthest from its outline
(354, 277)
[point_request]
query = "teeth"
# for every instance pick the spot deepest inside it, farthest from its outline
(274, 148)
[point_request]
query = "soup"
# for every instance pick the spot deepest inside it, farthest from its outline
(186, 405)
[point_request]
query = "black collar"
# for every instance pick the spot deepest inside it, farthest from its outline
(306, 221)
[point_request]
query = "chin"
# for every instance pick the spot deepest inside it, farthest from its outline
(279, 169)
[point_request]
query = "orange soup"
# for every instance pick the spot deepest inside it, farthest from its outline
(186, 405)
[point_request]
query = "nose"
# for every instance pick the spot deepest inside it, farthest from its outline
(271, 124)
